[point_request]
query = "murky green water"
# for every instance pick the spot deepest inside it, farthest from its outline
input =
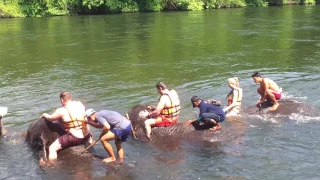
(113, 62)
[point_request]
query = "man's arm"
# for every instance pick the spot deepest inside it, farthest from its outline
(265, 87)
(234, 101)
(94, 124)
(105, 129)
(53, 117)
(159, 108)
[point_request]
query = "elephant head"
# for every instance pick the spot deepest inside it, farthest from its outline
(41, 133)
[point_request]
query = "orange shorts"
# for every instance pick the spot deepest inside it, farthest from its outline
(165, 121)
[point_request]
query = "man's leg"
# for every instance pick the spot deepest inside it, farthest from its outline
(148, 123)
(107, 146)
(212, 118)
(273, 100)
(260, 91)
(53, 149)
(119, 149)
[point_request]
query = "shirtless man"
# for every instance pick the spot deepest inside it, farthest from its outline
(166, 112)
(268, 90)
(72, 116)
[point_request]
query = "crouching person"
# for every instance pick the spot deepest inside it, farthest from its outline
(209, 113)
(115, 127)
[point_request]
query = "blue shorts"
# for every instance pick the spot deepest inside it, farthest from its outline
(122, 135)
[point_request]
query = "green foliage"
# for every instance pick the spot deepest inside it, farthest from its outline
(215, 4)
(149, 5)
(10, 9)
(308, 2)
(262, 3)
(35, 8)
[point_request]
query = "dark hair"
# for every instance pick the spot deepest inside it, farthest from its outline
(256, 74)
(65, 95)
(161, 85)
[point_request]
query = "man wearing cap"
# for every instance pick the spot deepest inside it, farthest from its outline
(72, 116)
(166, 112)
(209, 113)
(115, 127)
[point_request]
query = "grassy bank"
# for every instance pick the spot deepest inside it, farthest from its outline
(39, 8)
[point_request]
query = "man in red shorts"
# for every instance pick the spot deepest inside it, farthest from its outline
(72, 116)
(268, 90)
(166, 112)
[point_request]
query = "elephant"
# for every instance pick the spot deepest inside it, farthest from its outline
(286, 107)
(180, 131)
(41, 133)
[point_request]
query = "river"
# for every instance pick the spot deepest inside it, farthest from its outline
(114, 61)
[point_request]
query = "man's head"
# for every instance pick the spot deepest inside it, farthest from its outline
(257, 77)
(195, 100)
(65, 96)
(161, 86)
(91, 114)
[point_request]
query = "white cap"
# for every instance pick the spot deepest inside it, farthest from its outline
(89, 112)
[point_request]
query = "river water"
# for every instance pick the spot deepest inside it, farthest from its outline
(114, 61)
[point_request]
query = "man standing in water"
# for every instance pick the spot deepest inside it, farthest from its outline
(268, 90)
(72, 116)
(115, 127)
(166, 112)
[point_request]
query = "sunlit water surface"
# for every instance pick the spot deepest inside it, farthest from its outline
(114, 61)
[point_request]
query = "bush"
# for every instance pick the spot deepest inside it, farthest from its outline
(10, 9)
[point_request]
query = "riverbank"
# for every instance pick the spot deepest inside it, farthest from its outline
(33, 8)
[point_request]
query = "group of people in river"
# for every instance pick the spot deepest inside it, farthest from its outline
(76, 119)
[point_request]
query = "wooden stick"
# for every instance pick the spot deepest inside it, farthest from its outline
(132, 130)
(90, 146)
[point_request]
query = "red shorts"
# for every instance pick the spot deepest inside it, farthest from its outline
(277, 95)
(165, 121)
(68, 140)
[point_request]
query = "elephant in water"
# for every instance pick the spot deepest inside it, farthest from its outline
(42, 133)
(180, 131)
(286, 107)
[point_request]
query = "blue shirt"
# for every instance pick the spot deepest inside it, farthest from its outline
(114, 119)
(206, 107)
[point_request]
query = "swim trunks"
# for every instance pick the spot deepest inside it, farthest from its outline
(123, 134)
(165, 122)
(277, 95)
(68, 140)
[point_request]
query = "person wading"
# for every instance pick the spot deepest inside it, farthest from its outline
(234, 98)
(115, 127)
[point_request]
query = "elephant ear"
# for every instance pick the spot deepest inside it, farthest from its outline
(143, 114)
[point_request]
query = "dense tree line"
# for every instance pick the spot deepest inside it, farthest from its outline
(34, 8)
